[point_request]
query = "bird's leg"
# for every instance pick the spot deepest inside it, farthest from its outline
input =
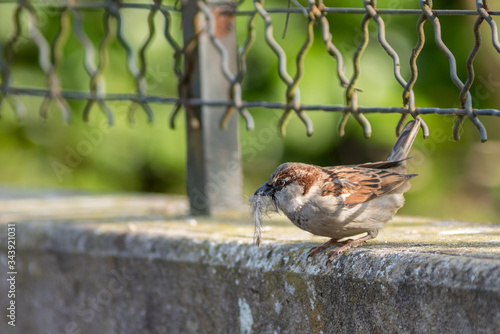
(348, 245)
(327, 244)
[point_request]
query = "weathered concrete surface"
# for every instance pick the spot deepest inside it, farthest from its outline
(136, 264)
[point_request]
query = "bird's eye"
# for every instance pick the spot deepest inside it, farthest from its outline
(280, 182)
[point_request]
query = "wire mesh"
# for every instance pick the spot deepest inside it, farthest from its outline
(70, 20)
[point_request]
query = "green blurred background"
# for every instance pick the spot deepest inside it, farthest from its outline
(458, 180)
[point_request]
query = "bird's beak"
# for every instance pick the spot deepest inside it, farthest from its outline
(264, 190)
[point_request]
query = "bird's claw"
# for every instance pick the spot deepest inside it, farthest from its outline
(327, 244)
(333, 254)
(313, 251)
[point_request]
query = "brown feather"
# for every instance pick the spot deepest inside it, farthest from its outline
(357, 184)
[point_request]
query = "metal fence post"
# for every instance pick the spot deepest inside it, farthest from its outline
(214, 178)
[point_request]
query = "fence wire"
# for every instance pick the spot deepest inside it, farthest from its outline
(69, 16)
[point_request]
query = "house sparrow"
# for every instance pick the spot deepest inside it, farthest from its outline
(341, 201)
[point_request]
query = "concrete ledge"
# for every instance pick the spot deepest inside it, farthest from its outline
(106, 265)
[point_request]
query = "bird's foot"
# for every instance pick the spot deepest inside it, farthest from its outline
(327, 244)
(347, 245)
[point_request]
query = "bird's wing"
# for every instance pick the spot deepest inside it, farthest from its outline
(357, 184)
(381, 164)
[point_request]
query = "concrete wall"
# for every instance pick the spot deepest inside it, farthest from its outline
(85, 270)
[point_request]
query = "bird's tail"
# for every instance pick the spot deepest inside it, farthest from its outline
(405, 141)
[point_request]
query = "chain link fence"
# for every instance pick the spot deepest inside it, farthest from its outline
(208, 49)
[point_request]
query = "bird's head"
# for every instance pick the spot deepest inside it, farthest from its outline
(290, 185)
